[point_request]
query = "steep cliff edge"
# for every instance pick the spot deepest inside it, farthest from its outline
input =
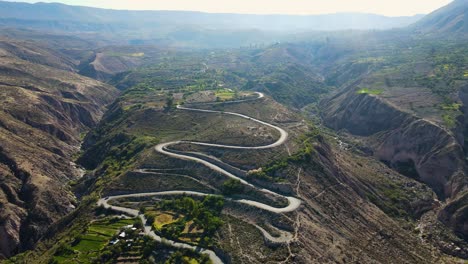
(43, 111)
(415, 147)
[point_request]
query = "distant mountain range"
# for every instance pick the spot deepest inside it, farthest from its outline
(65, 17)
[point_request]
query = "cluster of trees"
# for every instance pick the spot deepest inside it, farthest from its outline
(186, 257)
(232, 186)
(205, 215)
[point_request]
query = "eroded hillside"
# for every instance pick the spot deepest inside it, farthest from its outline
(44, 112)
(412, 118)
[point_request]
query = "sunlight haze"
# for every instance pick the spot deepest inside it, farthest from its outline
(299, 7)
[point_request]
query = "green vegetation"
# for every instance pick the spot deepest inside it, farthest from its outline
(232, 186)
(87, 248)
(287, 83)
(169, 103)
(102, 243)
(304, 154)
(451, 107)
(188, 220)
(187, 257)
(393, 201)
(225, 95)
(450, 114)
(116, 154)
(370, 91)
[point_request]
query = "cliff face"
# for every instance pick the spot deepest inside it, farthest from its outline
(413, 146)
(43, 110)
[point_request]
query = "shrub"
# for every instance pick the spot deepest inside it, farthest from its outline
(232, 186)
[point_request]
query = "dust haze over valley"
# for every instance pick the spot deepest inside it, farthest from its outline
(192, 137)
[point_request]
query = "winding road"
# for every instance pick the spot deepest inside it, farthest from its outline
(163, 148)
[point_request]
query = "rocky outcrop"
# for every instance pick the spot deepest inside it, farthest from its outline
(436, 155)
(455, 215)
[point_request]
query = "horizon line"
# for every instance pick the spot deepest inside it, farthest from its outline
(221, 13)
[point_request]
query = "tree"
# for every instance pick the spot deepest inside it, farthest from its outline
(176, 258)
(173, 230)
(148, 248)
(169, 103)
(150, 220)
(232, 186)
(106, 256)
(214, 203)
(137, 223)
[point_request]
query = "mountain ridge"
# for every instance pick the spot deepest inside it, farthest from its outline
(276, 22)
(452, 18)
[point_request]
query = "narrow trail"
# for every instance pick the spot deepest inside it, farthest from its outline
(163, 148)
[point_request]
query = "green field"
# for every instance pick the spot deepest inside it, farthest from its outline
(369, 91)
(89, 245)
(225, 94)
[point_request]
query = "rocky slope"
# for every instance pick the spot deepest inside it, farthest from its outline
(416, 147)
(105, 66)
(350, 216)
(43, 111)
(35, 52)
(449, 19)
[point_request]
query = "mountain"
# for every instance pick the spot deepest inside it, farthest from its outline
(364, 132)
(452, 18)
(64, 17)
(45, 107)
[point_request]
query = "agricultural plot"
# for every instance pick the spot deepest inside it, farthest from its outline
(89, 245)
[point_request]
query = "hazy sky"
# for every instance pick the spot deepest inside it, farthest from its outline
(384, 7)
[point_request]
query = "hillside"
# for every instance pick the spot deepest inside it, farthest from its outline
(452, 19)
(359, 176)
(407, 109)
(44, 111)
(187, 137)
(338, 196)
